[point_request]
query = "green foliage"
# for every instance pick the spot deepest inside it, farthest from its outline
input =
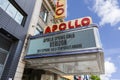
(95, 77)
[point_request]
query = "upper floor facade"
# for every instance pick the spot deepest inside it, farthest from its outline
(43, 15)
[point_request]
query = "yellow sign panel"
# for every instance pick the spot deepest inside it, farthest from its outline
(70, 77)
(60, 11)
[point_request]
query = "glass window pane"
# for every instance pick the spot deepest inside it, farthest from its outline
(5, 46)
(11, 10)
(43, 13)
(3, 56)
(45, 17)
(19, 18)
(4, 4)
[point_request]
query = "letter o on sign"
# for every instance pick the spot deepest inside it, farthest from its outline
(59, 11)
(85, 21)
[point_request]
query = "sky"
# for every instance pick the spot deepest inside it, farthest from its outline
(105, 13)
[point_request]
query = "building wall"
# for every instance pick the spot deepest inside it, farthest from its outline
(17, 32)
(35, 19)
(33, 22)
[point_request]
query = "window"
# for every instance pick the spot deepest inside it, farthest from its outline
(44, 13)
(4, 4)
(38, 30)
(5, 45)
(3, 56)
(19, 17)
(12, 11)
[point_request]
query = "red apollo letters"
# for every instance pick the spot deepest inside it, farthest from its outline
(68, 25)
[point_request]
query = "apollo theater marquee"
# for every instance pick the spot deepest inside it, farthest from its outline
(71, 51)
(67, 48)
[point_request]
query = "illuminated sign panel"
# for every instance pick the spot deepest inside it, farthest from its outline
(74, 40)
(60, 11)
(86, 21)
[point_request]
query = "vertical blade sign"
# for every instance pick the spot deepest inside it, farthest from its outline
(60, 11)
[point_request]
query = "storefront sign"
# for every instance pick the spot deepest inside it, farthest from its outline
(63, 42)
(60, 11)
(86, 21)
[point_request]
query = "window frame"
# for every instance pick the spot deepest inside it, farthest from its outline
(46, 13)
(18, 9)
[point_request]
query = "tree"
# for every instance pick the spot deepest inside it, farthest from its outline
(95, 77)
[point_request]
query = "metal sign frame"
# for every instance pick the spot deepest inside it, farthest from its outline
(79, 51)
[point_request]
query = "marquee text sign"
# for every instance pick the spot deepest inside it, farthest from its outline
(86, 21)
(63, 42)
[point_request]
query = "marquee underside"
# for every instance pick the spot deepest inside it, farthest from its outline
(87, 63)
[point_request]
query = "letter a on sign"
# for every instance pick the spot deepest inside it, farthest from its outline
(60, 11)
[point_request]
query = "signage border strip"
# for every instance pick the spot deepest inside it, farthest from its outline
(32, 56)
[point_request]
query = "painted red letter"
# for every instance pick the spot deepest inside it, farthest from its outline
(58, 5)
(62, 26)
(59, 11)
(47, 30)
(69, 25)
(85, 21)
(54, 27)
(77, 24)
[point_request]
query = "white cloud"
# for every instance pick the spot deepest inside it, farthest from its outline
(118, 28)
(108, 59)
(118, 56)
(108, 11)
(109, 70)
